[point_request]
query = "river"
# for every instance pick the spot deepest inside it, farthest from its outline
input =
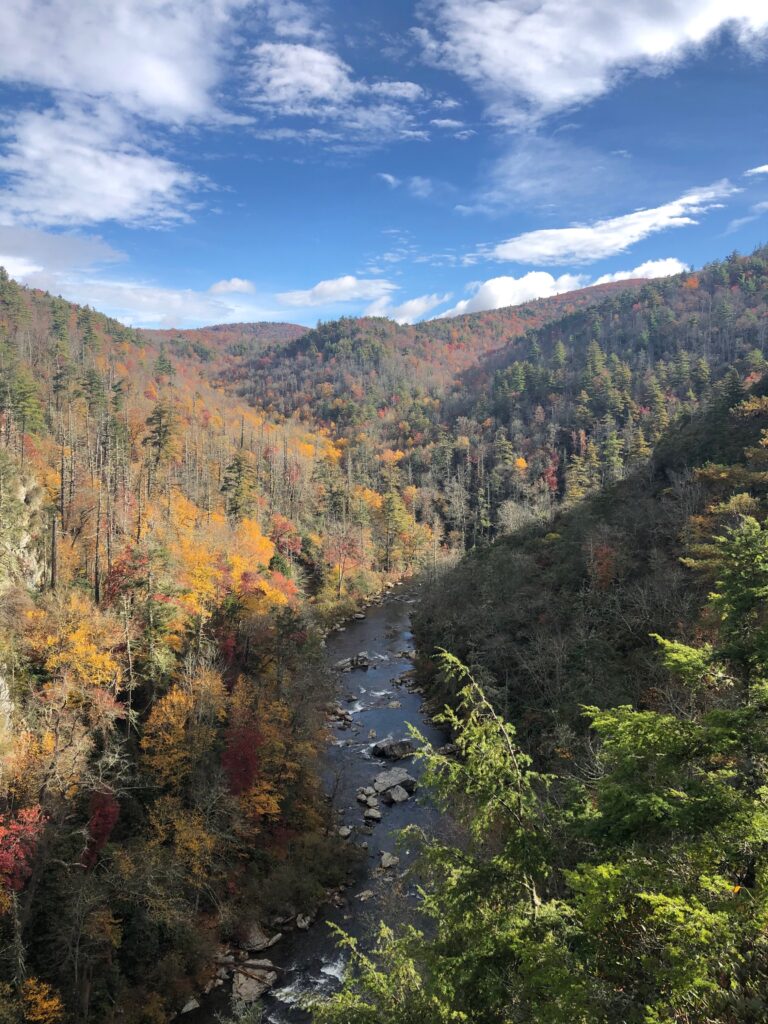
(309, 962)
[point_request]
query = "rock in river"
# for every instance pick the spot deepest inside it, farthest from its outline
(395, 795)
(257, 939)
(372, 814)
(393, 749)
(389, 860)
(394, 777)
(252, 979)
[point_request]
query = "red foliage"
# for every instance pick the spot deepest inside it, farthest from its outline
(240, 759)
(104, 810)
(18, 841)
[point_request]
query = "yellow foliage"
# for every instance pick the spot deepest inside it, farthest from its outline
(42, 1004)
(200, 576)
(391, 456)
(369, 497)
(75, 640)
(165, 743)
(520, 464)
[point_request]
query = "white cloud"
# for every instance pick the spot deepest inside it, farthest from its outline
(446, 122)
(408, 311)
(762, 169)
(55, 252)
(298, 80)
(537, 171)
(512, 291)
(390, 179)
(19, 267)
(71, 166)
(161, 60)
(339, 289)
(295, 79)
(589, 242)
(531, 59)
(233, 285)
(290, 19)
(651, 268)
(420, 187)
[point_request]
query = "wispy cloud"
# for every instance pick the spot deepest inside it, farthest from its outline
(70, 166)
(294, 80)
(233, 286)
(339, 289)
(762, 169)
(410, 310)
(589, 242)
(530, 60)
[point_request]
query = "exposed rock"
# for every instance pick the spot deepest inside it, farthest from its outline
(393, 749)
(372, 801)
(252, 979)
(395, 795)
(394, 777)
(365, 895)
(345, 831)
(345, 663)
(389, 860)
(192, 1004)
(359, 615)
(362, 796)
(257, 939)
(372, 814)
(394, 704)
(303, 921)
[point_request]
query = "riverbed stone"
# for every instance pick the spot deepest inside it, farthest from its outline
(394, 777)
(393, 749)
(191, 1004)
(372, 814)
(257, 939)
(372, 801)
(252, 979)
(395, 795)
(389, 860)
(303, 921)
(345, 831)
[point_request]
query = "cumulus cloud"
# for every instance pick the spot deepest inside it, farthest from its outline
(651, 268)
(511, 291)
(233, 285)
(532, 59)
(338, 289)
(408, 311)
(70, 166)
(159, 60)
(589, 242)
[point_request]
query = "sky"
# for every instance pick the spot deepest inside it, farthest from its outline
(191, 162)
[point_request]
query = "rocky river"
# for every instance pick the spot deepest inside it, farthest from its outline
(373, 706)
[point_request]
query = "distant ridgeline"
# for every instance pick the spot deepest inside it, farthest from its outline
(182, 512)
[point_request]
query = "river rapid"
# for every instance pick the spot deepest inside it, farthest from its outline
(310, 962)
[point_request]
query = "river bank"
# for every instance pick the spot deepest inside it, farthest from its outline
(373, 704)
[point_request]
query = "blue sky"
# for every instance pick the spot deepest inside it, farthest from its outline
(205, 161)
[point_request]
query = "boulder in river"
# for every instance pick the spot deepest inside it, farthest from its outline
(394, 777)
(192, 1004)
(303, 921)
(389, 860)
(395, 795)
(345, 831)
(257, 939)
(359, 616)
(372, 814)
(252, 979)
(393, 749)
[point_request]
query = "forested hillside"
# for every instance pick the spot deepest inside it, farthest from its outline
(608, 785)
(168, 558)
(183, 513)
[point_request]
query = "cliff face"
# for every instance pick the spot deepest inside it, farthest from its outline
(22, 561)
